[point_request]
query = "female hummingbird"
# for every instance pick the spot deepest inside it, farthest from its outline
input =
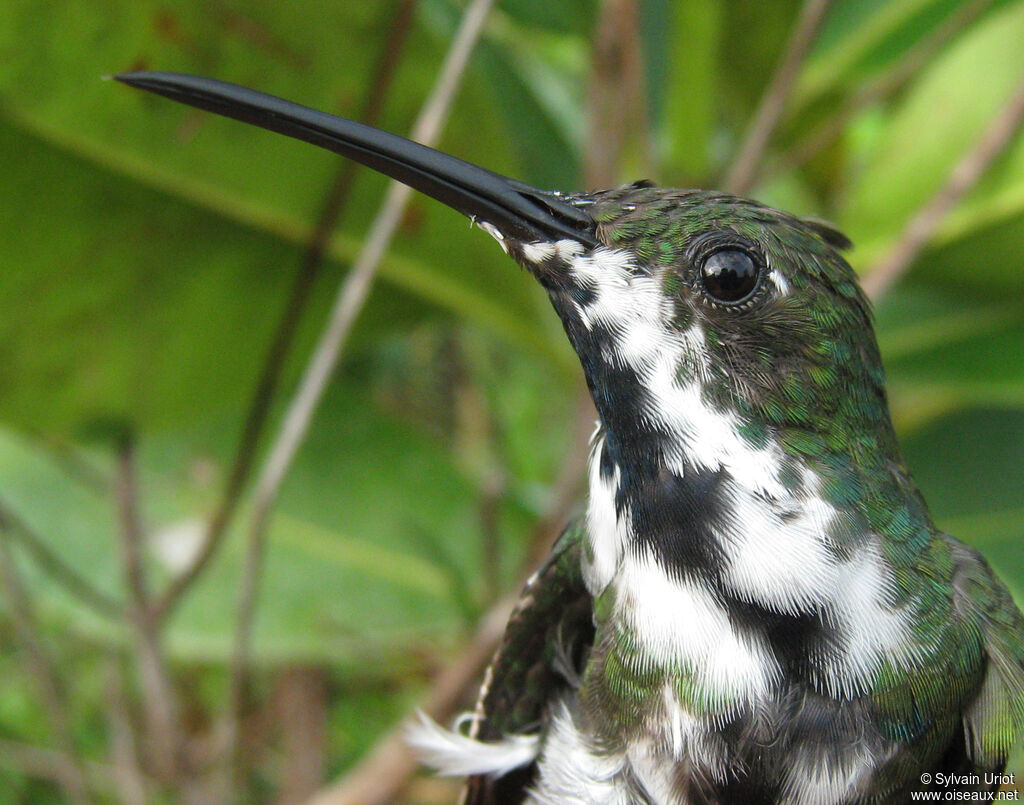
(756, 606)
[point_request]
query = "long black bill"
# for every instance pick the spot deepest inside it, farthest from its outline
(514, 208)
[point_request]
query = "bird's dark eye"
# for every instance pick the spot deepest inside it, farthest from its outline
(729, 275)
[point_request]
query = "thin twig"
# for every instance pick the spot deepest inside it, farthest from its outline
(348, 303)
(615, 94)
(159, 698)
(300, 713)
(42, 672)
(382, 774)
(127, 775)
(72, 461)
(131, 528)
(55, 567)
(743, 171)
(906, 67)
(332, 209)
(962, 178)
(388, 767)
(493, 488)
(386, 770)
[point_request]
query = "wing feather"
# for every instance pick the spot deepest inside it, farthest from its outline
(546, 641)
(994, 720)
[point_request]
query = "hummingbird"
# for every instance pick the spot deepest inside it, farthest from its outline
(756, 606)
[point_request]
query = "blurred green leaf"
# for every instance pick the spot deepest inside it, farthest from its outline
(924, 137)
(123, 171)
(859, 37)
(345, 573)
(688, 88)
(968, 466)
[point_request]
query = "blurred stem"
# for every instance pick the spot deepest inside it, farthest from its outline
(348, 303)
(55, 567)
(332, 209)
(131, 528)
(385, 771)
(886, 85)
(42, 672)
(616, 95)
(159, 699)
(922, 227)
(300, 710)
(743, 172)
(129, 780)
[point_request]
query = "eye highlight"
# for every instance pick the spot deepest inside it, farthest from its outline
(729, 275)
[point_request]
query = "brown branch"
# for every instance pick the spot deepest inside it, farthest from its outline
(906, 67)
(922, 227)
(492, 494)
(42, 672)
(743, 172)
(60, 571)
(348, 303)
(159, 698)
(126, 774)
(332, 208)
(476, 443)
(380, 776)
(616, 93)
(300, 710)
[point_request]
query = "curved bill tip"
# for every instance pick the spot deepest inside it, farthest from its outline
(514, 209)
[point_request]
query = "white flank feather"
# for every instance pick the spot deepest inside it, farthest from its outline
(455, 755)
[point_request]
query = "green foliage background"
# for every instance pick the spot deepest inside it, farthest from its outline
(146, 252)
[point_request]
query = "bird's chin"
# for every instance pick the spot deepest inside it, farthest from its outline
(550, 263)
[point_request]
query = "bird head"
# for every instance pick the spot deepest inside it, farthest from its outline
(704, 322)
